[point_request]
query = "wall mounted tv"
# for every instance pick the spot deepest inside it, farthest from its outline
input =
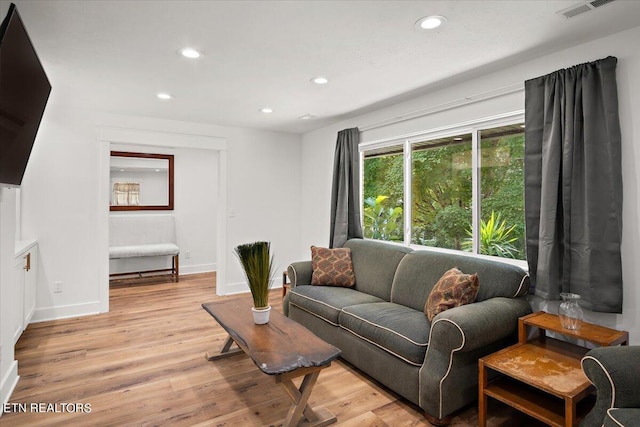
(24, 91)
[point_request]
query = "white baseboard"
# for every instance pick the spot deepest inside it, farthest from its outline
(234, 288)
(89, 308)
(65, 311)
(9, 382)
(198, 268)
(242, 287)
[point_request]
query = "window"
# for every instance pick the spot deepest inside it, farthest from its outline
(125, 194)
(501, 162)
(441, 180)
(383, 210)
(461, 189)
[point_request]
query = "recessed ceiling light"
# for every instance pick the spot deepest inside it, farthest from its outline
(457, 138)
(430, 22)
(164, 96)
(189, 53)
(320, 80)
(306, 117)
(266, 110)
(121, 170)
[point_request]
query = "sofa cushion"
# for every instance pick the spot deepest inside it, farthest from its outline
(375, 264)
(454, 289)
(397, 329)
(326, 302)
(332, 267)
(133, 251)
(419, 271)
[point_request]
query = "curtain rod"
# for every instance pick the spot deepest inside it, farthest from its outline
(518, 87)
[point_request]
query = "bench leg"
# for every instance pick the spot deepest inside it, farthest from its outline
(176, 267)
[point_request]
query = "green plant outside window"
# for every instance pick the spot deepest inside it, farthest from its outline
(441, 208)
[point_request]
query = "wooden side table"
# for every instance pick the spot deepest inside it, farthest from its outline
(285, 286)
(543, 377)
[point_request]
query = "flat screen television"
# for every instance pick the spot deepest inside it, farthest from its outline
(24, 91)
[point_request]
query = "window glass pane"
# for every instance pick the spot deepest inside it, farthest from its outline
(441, 192)
(502, 230)
(383, 209)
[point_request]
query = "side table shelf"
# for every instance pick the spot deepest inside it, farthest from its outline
(543, 377)
(595, 334)
(533, 402)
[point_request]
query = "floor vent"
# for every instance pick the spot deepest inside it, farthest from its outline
(580, 8)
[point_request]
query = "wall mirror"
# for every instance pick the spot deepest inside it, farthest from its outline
(141, 181)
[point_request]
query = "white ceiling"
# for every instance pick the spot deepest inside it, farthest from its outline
(115, 56)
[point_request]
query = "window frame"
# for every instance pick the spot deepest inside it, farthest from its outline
(473, 127)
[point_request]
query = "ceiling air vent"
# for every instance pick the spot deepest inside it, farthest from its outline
(580, 8)
(598, 3)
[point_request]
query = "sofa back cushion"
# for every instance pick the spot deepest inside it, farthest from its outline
(419, 271)
(375, 264)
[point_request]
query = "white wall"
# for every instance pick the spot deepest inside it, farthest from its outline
(8, 290)
(318, 147)
(71, 226)
(61, 207)
(196, 208)
(264, 197)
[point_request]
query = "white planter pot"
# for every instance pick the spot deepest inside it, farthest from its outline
(261, 315)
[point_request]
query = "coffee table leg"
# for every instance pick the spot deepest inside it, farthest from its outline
(225, 350)
(299, 407)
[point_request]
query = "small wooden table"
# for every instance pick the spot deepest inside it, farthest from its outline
(282, 348)
(543, 377)
(285, 286)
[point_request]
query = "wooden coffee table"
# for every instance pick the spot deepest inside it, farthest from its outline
(543, 376)
(282, 348)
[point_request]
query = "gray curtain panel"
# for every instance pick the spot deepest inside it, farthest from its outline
(573, 185)
(345, 199)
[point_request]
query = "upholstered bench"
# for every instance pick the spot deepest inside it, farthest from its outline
(136, 236)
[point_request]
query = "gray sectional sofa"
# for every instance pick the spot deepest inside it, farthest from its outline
(381, 328)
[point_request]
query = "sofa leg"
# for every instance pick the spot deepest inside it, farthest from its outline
(440, 422)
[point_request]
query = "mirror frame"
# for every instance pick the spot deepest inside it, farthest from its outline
(168, 207)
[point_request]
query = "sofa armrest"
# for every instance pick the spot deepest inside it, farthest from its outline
(458, 337)
(472, 326)
(615, 372)
(300, 273)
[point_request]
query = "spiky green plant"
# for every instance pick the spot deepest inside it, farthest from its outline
(495, 238)
(257, 263)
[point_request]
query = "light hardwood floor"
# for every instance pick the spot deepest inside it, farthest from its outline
(143, 364)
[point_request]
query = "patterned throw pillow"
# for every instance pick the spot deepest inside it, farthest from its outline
(332, 267)
(452, 290)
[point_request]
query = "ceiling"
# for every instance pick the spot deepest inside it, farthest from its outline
(114, 56)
